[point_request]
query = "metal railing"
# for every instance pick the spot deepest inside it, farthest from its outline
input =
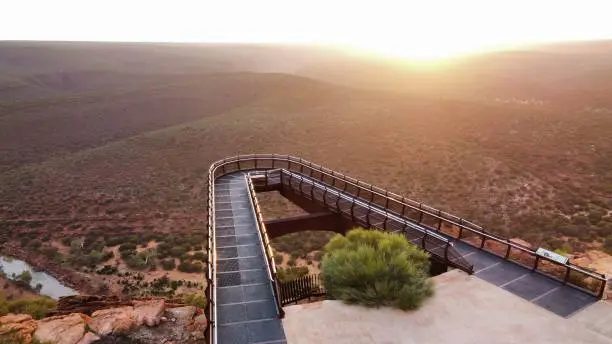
(432, 218)
(301, 288)
(267, 248)
(371, 216)
(211, 276)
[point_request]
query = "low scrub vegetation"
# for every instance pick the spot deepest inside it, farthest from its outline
(291, 273)
(36, 307)
(374, 268)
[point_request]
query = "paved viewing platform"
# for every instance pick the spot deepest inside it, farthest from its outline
(464, 309)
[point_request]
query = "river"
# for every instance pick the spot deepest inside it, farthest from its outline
(50, 285)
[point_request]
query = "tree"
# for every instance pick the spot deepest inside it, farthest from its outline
(375, 269)
(25, 277)
(150, 254)
(168, 264)
(199, 256)
(76, 245)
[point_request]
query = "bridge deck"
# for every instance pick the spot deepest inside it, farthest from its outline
(246, 308)
(531, 286)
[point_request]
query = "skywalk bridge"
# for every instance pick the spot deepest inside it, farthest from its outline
(243, 291)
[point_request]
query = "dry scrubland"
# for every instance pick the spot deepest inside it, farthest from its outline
(104, 153)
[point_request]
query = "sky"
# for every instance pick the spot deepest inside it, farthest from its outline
(416, 29)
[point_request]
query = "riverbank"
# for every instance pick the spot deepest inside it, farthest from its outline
(12, 291)
(80, 282)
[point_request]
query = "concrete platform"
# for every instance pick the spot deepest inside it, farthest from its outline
(597, 317)
(464, 309)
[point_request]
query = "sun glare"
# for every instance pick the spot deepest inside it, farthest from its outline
(410, 29)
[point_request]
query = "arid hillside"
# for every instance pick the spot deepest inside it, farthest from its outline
(121, 150)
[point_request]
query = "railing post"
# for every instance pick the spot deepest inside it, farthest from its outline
(421, 212)
(353, 210)
(312, 191)
(300, 186)
(324, 194)
(507, 251)
(423, 240)
(535, 264)
(567, 274)
(387, 199)
(482, 242)
(446, 250)
(386, 219)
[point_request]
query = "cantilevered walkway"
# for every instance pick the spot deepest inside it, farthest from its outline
(243, 290)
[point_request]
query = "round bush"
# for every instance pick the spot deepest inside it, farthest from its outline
(374, 268)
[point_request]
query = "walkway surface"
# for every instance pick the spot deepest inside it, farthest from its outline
(531, 286)
(246, 308)
(523, 282)
(464, 309)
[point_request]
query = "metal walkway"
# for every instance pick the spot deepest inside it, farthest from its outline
(246, 307)
(534, 287)
(243, 293)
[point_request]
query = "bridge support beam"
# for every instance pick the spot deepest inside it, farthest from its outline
(321, 221)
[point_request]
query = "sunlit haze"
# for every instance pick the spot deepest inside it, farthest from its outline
(412, 29)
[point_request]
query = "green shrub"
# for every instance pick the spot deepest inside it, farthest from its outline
(135, 262)
(127, 247)
(374, 269)
(178, 251)
(190, 267)
(66, 241)
(37, 307)
(291, 262)
(168, 264)
(195, 300)
(291, 273)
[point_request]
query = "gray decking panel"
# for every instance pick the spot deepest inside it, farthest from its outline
(246, 308)
(525, 283)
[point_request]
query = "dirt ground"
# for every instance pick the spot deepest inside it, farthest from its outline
(313, 268)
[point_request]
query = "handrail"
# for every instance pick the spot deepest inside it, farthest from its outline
(211, 292)
(427, 233)
(435, 213)
(265, 241)
(294, 164)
